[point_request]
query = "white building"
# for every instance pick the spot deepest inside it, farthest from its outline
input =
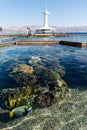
(45, 29)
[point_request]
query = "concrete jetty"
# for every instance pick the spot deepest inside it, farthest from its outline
(70, 43)
(61, 42)
(75, 44)
(44, 42)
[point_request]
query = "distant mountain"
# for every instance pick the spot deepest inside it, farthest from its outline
(57, 29)
(71, 29)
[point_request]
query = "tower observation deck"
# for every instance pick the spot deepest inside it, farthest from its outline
(45, 29)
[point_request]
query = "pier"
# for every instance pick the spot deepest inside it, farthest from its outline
(46, 42)
(70, 43)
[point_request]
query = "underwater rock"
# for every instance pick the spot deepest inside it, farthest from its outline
(54, 89)
(45, 76)
(9, 99)
(59, 89)
(49, 75)
(22, 102)
(43, 100)
(6, 95)
(25, 91)
(10, 103)
(49, 96)
(13, 103)
(43, 85)
(23, 68)
(58, 68)
(34, 60)
(24, 79)
(49, 63)
(53, 64)
(23, 74)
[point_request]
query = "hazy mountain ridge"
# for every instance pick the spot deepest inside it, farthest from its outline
(57, 29)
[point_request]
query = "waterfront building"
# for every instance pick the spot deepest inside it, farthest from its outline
(45, 29)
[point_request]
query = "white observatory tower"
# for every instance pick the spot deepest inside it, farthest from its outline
(45, 29)
(45, 13)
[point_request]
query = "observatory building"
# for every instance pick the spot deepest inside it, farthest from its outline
(45, 30)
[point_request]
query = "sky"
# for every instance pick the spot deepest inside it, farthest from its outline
(65, 13)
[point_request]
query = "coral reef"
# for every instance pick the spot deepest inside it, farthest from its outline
(23, 74)
(34, 60)
(43, 85)
(23, 68)
(12, 98)
(25, 79)
(43, 98)
(51, 95)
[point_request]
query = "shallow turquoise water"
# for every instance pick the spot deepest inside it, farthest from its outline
(9, 39)
(81, 38)
(66, 38)
(73, 59)
(74, 38)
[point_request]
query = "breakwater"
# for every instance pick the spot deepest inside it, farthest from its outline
(44, 42)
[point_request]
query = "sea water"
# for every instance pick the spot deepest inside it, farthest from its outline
(73, 59)
(67, 115)
(77, 38)
(10, 39)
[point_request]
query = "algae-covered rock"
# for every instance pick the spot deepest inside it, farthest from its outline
(25, 79)
(25, 91)
(43, 99)
(49, 75)
(23, 68)
(58, 88)
(45, 76)
(10, 103)
(22, 102)
(34, 60)
(58, 68)
(43, 84)
(55, 94)
(9, 99)
(51, 63)
(23, 74)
